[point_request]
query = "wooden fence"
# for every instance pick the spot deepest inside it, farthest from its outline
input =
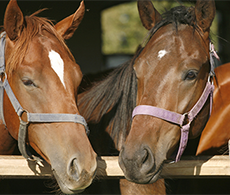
(189, 167)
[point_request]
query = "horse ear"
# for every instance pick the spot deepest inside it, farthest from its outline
(67, 26)
(13, 20)
(205, 12)
(148, 14)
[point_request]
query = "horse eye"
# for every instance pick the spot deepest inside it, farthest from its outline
(191, 75)
(28, 83)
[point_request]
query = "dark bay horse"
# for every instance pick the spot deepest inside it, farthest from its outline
(173, 74)
(216, 134)
(170, 71)
(39, 79)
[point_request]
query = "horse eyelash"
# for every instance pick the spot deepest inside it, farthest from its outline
(28, 82)
(194, 76)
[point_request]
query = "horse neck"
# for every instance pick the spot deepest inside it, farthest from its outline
(8, 142)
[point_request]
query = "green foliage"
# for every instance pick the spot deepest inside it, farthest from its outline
(122, 30)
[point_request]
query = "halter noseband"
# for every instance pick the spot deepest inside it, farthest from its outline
(31, 117)
(179, 119)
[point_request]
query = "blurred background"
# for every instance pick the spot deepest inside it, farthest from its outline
(111, 30)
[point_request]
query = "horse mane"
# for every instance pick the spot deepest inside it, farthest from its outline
(117, 93)
(32, 26)
(114, 97)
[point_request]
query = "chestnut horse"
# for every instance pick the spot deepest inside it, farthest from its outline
(215, 135)
(39, 79)
(170, 71)
(213, 140)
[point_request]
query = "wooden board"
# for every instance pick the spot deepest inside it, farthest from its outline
(216, 166)
(19, 167)
(190, 167)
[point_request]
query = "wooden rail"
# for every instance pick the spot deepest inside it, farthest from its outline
(190, 167)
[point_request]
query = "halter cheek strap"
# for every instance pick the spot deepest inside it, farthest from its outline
(2, 69)
(31, 117)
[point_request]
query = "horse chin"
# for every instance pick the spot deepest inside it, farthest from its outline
(155, 176)
(146, 179)
(66, 190)
(72, 189)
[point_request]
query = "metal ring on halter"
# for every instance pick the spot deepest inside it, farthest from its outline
(186, 120)
(20, 116)
(3, 75)
(210, 78)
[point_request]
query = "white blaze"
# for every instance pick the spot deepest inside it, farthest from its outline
(162, 53)
(57, 64)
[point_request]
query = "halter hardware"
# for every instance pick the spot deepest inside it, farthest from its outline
(21, 116)
(3, 75)
(30, 117)
(186, 120)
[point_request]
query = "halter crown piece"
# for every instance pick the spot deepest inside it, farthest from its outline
(31, 117)
(179, 119)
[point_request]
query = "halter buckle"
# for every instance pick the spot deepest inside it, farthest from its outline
(23, 117)
(3, 77)
(186, 120)
(210, 77)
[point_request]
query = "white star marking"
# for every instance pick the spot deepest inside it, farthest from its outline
(57, 64)
(162, 53)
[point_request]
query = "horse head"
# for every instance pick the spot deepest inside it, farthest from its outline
(172, 71)
(44, 78)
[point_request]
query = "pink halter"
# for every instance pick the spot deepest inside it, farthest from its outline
(179, 119)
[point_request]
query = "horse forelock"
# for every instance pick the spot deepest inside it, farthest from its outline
(176, 16)
(33, 25)
(180, 15)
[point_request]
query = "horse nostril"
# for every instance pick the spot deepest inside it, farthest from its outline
(147, 160)
(145, 156)
(73, 169)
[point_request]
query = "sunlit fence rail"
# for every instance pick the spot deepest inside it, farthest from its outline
(188, 167)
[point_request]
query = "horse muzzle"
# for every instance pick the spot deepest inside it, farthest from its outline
(76, 178)
(139, 166)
